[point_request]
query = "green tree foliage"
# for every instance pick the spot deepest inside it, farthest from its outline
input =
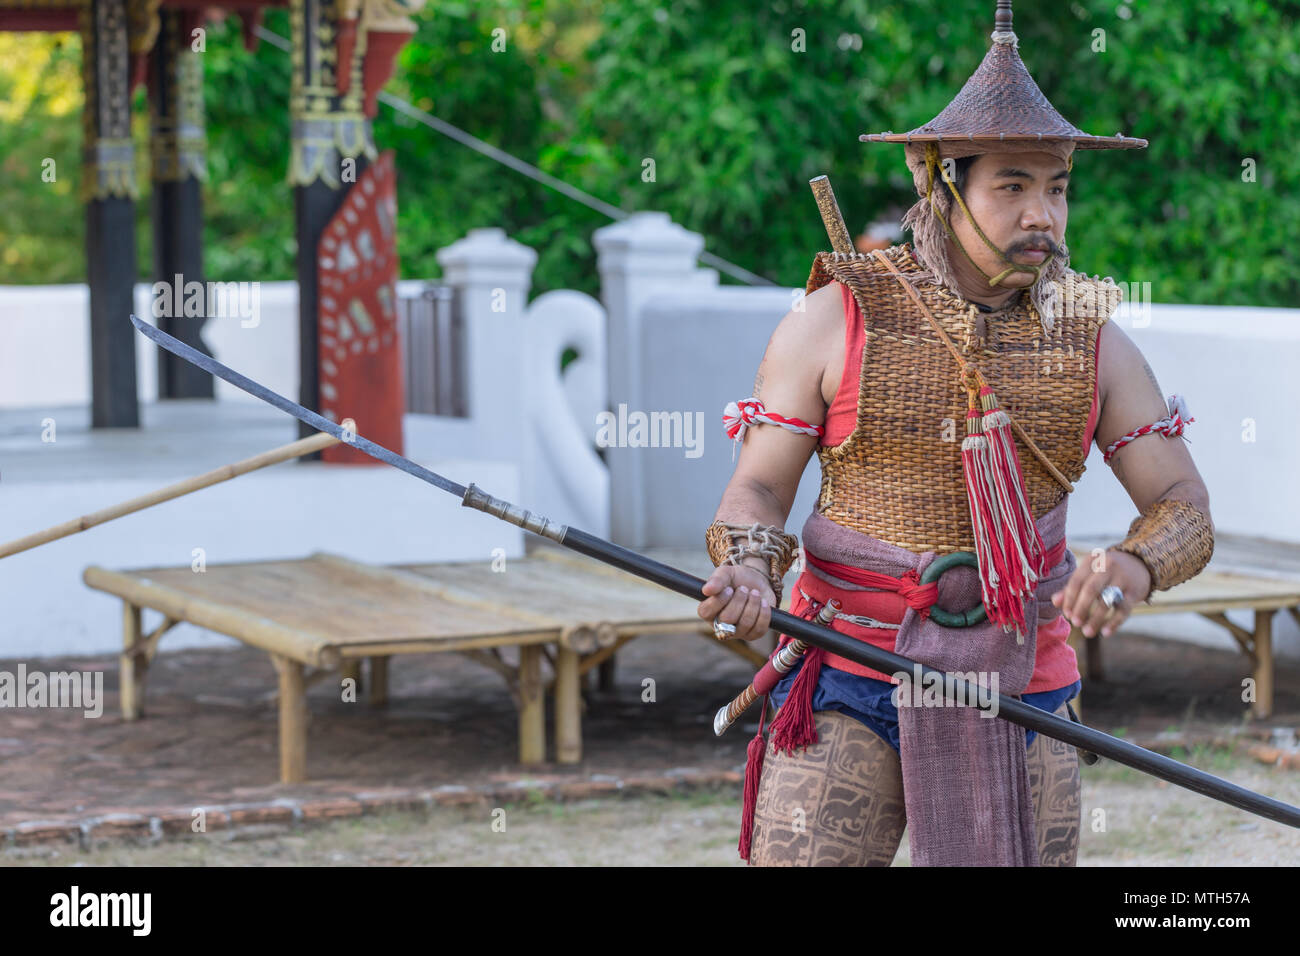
(42, 229)
(509, 74)
(248, 228)
(738, 105)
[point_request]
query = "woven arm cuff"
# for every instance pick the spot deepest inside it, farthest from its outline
(1174, 539)
(732, 543)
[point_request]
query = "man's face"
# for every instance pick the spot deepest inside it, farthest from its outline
(1019, 201)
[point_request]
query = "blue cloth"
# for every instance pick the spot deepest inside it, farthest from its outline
(869, 700)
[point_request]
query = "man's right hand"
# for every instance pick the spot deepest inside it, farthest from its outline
(739, 595)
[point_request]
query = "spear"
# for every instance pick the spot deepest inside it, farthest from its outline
(1008, 708)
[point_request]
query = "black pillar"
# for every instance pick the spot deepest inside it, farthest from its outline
(109, 192)
(330, 145)
(314, 206)
(178, 170)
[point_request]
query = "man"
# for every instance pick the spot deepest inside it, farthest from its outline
(978, 321)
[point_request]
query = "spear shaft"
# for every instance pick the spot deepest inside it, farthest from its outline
(957, 690)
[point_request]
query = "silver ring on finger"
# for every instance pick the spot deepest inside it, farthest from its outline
(722, 630)
(1111, 595)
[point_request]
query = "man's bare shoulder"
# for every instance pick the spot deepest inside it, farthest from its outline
(1119, 356)
(1127, 389)
(818, 316)
(808, 345)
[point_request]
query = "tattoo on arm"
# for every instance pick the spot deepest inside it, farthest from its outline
(1151, 376)
(1117, 467)
(758, 383)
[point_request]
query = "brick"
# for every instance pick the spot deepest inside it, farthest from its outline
(714, 780)
(648, 784)
(397, 801)
(588, 789)
(174, 823)
(46, 833)
(337, 808)
(1265, 754)
(132, 827)
(260, 813)
(457, 797)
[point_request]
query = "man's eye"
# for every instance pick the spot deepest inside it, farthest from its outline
(1011, 186)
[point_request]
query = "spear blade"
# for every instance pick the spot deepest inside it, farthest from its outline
(319, 422)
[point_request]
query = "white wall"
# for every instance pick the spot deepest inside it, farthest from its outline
(45, 345)
(1234, 365)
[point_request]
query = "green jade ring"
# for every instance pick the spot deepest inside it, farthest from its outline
(967, 618)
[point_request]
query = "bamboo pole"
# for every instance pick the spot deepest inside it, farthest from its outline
(836, 231)
(296, 449)
(293, 719)
(532, 706)
(568, 708)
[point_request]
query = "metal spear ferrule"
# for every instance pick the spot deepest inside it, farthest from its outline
(476, 497)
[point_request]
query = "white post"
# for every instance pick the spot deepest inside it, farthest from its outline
(643, 255)
(492, 274)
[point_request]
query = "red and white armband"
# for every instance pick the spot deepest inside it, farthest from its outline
(738, 416)
(1174, 424)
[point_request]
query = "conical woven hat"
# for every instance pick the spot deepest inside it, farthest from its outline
(1001, 103)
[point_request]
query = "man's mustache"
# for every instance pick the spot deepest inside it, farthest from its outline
(1043, 243)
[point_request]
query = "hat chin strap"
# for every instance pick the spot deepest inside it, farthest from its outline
(931, 161)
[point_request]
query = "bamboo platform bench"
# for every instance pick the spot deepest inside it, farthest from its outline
(1245, 573)
(324, 614)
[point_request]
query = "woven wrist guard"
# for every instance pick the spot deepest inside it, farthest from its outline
(1174, 539)
(732, 543)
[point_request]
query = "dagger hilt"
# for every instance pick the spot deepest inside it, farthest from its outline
(780, 664)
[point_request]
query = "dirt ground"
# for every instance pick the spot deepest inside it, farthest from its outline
(1146, 825)
(209, 737)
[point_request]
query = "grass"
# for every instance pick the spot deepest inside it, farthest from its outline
(1142, 822)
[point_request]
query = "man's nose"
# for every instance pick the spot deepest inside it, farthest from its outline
(1036, 218)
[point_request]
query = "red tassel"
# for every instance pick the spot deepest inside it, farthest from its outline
(1008, 547)
(795, 726)
(1013, 499)
(753, 772)
(1024, 554)
(995, 553)
(983, 509)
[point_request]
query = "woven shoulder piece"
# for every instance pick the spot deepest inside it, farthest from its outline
(1174, 539)
(845, 266)
(1089, 297)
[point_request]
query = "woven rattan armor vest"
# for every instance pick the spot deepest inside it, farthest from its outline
(898, 475)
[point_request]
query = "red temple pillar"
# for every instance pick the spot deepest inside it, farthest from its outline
(350, 358)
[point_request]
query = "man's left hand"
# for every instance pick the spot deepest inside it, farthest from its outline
(1080, 599)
